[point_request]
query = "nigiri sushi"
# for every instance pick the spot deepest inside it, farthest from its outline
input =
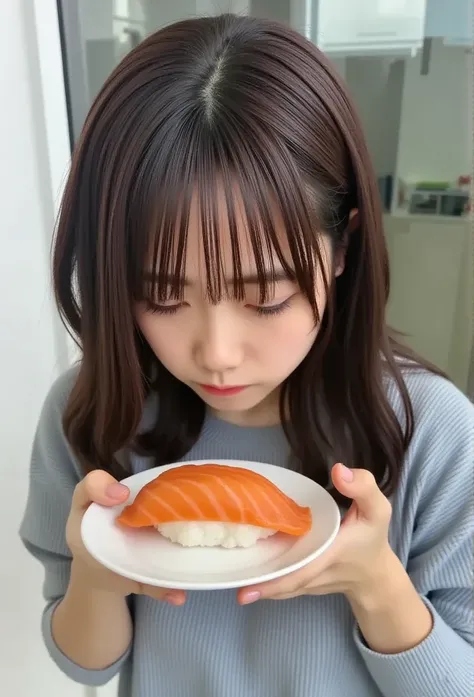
(215, 505)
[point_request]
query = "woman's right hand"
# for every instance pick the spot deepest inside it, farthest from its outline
(100, 487)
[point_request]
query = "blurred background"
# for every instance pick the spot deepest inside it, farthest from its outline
(409, 67)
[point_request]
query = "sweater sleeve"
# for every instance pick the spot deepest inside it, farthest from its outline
(53, 476)
(440, 561)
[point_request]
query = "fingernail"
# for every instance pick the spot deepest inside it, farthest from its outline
(250, 597)
(116, 490)
(347, 474)
(172, 599)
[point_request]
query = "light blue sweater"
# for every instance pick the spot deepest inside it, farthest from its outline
(308, 646)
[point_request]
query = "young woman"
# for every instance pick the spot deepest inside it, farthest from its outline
(220, 258)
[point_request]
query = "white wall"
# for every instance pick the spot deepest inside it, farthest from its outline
(417, 126)
(376, 85)
(32, 348)
(160, 14)
(96, 18)
(436, 120)
(274, 9)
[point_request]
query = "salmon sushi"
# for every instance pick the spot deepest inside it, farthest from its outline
(215, 505)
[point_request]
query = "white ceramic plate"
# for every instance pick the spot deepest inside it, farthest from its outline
(145, 556)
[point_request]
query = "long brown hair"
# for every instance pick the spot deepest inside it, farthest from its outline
(251, 104)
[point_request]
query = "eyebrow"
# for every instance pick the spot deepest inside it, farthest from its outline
(276, 276)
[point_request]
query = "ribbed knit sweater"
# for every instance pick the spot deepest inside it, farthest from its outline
(309, 646)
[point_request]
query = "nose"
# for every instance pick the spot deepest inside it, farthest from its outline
(219, 347)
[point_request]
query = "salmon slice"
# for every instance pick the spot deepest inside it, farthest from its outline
(218, 493)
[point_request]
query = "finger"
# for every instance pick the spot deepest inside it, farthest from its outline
(314, 589)
(172, 596)
(177, 598)
(315, 574)
(99, 487)
(287, 596)
(360, 485)
(287, 585)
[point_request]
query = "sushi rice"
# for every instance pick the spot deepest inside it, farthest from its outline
(213, 534)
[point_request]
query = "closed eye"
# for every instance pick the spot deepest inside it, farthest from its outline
(155, 309)
(260, 310)
(272, 310)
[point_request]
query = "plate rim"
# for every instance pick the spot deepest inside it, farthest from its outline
(219, 585)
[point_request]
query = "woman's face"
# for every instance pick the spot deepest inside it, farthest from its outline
(233, 344)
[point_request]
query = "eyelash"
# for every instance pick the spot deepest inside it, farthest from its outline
(270, 311)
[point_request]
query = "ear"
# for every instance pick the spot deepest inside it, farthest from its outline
(340, 255)
(354, 221)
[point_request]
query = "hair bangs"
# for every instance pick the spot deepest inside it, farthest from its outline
(265, 206)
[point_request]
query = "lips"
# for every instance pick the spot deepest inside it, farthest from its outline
(223, 391)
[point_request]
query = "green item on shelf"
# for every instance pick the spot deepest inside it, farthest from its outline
(432, 186)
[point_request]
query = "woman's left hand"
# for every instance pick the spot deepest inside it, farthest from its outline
(360, 558)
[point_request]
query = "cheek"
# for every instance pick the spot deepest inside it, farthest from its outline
(291, 340)
(166, 339)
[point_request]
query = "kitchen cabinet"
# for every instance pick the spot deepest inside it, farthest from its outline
(432, 289)
(367, 26)
(452, 21)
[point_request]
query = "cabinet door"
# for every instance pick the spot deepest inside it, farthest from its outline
(426, 261)
(347, 25)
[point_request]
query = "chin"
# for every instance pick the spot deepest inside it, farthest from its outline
(252, 398)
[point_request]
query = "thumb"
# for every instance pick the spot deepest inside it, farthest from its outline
(99, 487)
(360, 485)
